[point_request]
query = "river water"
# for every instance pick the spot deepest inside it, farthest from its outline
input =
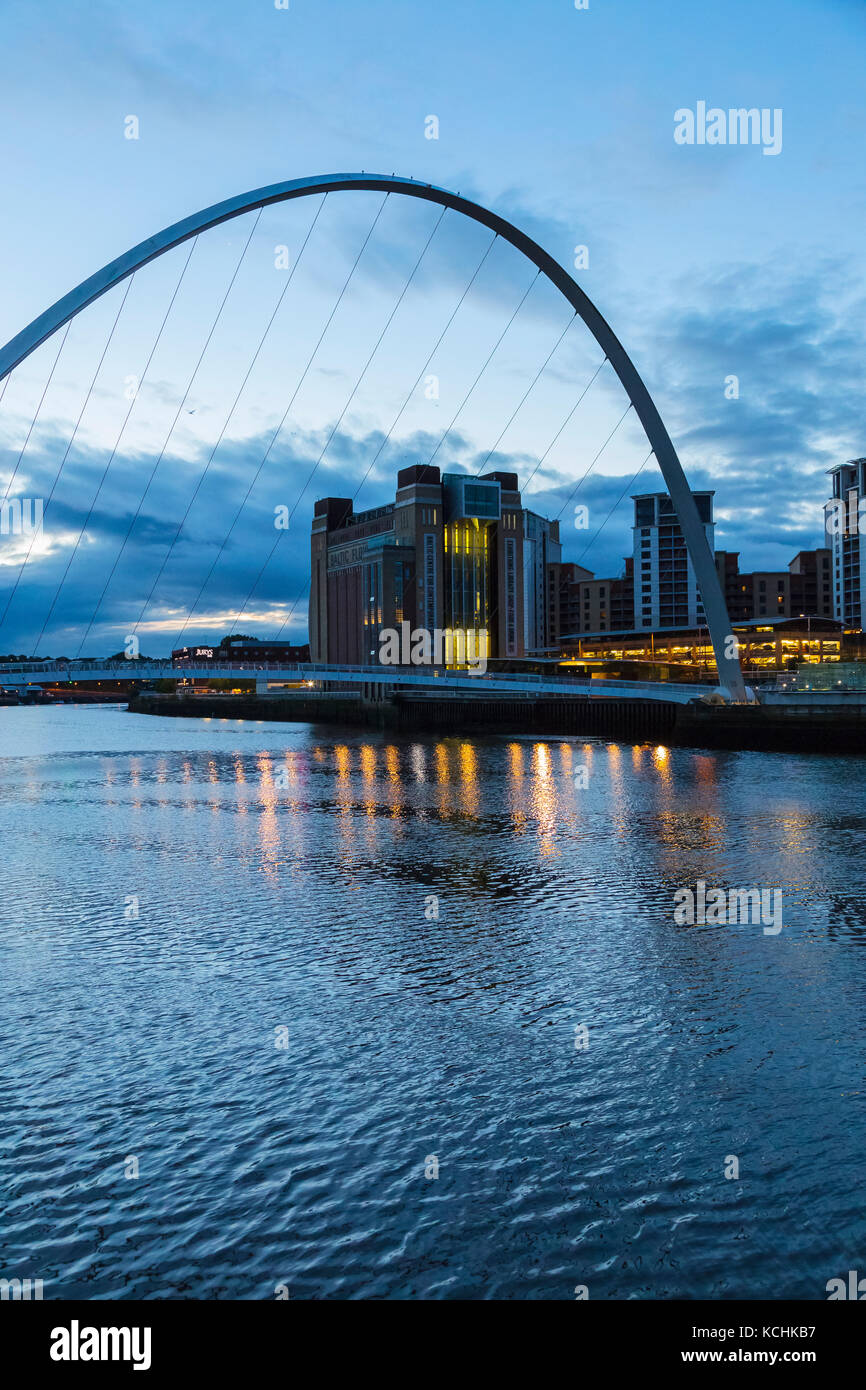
(358, 1016)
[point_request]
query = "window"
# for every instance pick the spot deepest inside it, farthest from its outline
(481, 500)
(430, 582)
(511, 597)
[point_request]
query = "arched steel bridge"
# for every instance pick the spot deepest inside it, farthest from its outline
(18, 348)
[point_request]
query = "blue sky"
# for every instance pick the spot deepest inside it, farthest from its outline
(707, 261)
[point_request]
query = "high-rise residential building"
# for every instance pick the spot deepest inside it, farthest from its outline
(665, 586)
(452, 552)
(844, 528)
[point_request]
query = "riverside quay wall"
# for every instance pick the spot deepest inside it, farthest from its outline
(821, 725)
(626, 719)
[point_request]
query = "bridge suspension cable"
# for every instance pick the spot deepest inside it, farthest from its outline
(484, 366)
(283, 293)
(116, 446)
(56, 316)
(384, 441)
(180, 407)
(228, 291)
(414, 387)
(72, 437)
(629, 485)
(298, 387)
(330, 437)
(478, 377)
(487, 361)
(14, 473)
(492, 450)
(579, 484)
(565, 422)
(568, 417)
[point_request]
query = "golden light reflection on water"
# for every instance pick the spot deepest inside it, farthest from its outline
(441, 757)
(469, 775)
(613, 753)
(395, 781)
(515, 756)
(662, 765)
(538, 789)
(269, 831)
(515, 787)
(544, 798)
(797, 833)
(368, 773)
(343, 763)
(419, 762)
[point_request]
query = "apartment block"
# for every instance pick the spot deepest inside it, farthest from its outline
(844, 527)
(666, 592)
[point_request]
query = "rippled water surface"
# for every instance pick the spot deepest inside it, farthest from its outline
(182, 898)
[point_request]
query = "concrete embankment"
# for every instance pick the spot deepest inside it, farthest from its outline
(312, 708)
(804, 727)
(626, 719)
(830, 727)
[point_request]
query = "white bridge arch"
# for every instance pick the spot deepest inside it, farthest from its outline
(18, 348)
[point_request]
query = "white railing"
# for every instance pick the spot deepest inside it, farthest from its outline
(143, 669)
